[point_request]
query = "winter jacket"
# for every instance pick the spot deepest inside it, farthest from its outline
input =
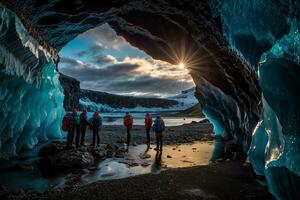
(96, 122)
(128, 121)
(148, 122)
(73, 120)
(158, 125)
(83, 120)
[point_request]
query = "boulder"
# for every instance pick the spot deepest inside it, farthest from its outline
(56, 157)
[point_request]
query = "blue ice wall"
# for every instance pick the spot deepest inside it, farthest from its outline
(266, 34)
(31, 98)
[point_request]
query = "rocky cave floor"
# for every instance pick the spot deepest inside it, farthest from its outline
(218, 180)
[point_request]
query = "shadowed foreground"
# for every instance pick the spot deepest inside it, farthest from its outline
(228, 180)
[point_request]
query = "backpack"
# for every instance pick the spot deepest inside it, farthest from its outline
(97, 122)
(65, 123)
(148, 122)
(83, 119)
(158, 126)
(128, 121)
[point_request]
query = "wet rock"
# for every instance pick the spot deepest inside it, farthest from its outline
(55, 157)
(72, 159)
(145, 156)
(51, 149)
(119, 154)
(145, 164)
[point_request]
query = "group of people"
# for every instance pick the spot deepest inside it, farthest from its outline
(158, 127)
(75, 123)
(72, 122)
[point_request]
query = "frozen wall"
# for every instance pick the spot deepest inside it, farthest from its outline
(266, 34)
(31, 97)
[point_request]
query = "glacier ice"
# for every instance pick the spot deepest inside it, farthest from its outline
(266, 34)
(31, 98)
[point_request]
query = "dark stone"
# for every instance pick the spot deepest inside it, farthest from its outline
(71, 88)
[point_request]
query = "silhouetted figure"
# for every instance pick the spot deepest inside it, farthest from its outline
(128, 123)
(159, 128)
(83, 124)
(66, 126)
(96, 123)
(74, 126)
(148, 125)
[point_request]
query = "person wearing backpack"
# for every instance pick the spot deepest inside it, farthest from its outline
(66, 127)
(96, 123)
(128, 123)
(148, 125)
(159, 128)
(73, 125)
(83, 123)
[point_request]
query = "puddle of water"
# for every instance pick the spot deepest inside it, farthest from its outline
(137, 161)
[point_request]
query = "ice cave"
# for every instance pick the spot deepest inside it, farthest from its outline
(244, 56)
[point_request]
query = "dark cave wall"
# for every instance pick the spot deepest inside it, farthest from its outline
(71, 87)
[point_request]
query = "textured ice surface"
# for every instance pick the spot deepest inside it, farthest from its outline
(266, 34)
(31, 98)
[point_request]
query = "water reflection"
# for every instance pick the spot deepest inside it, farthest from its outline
(139, 160)
(157, 164)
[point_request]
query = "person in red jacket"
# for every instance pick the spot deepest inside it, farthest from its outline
(128, 123)
(148, 125)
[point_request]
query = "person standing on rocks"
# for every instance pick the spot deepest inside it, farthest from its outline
(148, 125)
(128, 123)
(74, 126)
(96, 123)
(159, 128)
(83, 124)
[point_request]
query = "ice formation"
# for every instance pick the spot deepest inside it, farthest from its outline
(31, 98)
(266, 34)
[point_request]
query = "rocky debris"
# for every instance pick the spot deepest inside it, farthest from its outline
(55, 156)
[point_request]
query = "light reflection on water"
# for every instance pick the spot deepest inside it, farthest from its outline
(137, 161)
(117, 119)
(151, 161)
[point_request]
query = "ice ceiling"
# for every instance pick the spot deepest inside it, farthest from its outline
(244, 58)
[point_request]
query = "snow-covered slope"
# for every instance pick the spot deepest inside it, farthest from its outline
(185, 100)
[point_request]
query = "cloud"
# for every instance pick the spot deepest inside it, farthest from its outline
(104, 34)
(70, 62)
(130, 75)
(89, 72)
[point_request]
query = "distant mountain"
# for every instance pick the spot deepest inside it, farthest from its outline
(94, 100)
(108, 102)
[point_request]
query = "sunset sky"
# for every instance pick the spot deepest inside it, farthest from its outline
(103, 61)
